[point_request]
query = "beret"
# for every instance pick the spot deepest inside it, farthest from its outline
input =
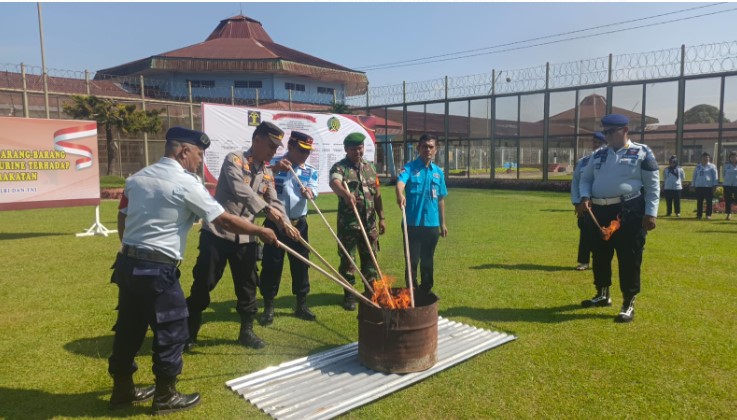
(185, 135)
(614, 120)
(301, 139)
(270, 130)
(354, 139)
(598, 135)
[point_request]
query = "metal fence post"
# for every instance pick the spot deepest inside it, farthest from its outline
(718, 157)
(191, 107)
(26, 112)
(492, 127)
(681, 104)
(43, 61)
(445, 131)
(546, 122)
(257, 95)
(87, 82)
(232, 95)
(143, 107)
(609, 88)
(404, 123)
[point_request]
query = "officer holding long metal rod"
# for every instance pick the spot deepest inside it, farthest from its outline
(340, 245)
(364, 193)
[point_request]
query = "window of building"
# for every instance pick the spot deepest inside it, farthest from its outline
(252, 84)
(325, 90)
(294, 86)
(202, 83)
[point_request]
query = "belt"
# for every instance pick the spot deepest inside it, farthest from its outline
(296, 221)
(615, 200)
(148, 255)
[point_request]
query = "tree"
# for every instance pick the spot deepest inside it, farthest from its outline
(339, 108)
(113, 116)
(702, 114)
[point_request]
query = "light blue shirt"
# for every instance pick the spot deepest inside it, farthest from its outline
(673, 181)
(705, 176)
(730, 175)
(163, 202)
(288, 189)
(580, 165)
(424, 187)
(611, 174)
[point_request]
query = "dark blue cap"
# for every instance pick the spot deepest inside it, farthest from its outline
(301, 140)
(614, 120)
(185, 135)
(598, 135)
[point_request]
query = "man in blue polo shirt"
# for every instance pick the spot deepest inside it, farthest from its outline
(421, 190)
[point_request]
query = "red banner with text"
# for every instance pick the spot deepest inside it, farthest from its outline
(48, 163)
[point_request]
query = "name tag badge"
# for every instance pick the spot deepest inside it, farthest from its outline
(434, 194)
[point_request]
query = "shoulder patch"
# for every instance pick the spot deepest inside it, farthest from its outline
(237, 160)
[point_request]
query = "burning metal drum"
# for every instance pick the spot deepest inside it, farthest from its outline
(399, 340)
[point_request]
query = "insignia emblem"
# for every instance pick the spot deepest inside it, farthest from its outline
(254, 118)
(333, 124)
(237, 161)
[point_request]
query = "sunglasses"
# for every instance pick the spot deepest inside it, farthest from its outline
(611, 130)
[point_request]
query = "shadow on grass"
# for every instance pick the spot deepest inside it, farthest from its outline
(25, 404)
(557, 210)
(7, 236)
(528, 267)
(552, 315)
(101, 347)
(331, 209)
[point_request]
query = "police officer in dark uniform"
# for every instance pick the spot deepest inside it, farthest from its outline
(621, 182)
(245, 188)
(294, 193)
(159, 205)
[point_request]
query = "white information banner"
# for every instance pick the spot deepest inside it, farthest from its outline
(230, 128)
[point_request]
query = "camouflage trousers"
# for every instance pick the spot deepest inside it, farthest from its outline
(352, 239)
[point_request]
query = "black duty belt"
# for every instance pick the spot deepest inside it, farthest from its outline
(148, 255)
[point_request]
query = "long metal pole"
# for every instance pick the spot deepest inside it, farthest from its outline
(410, 286)
(347, 288)
(340, 244)
(365, 236)
(43, 60)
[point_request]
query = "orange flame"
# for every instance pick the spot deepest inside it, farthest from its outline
(606, 232)
(389, 298)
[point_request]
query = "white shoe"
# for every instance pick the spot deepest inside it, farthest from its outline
(582, 267)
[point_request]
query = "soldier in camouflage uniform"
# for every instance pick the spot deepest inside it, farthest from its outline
(363, 191)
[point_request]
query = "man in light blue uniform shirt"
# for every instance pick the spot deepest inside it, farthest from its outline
(584, 241)
(294, 196)
(621, 182)
(729, 181)
(421, 190)
(159, 205)
(704, 180)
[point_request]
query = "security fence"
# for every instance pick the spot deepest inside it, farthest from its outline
(531, 123)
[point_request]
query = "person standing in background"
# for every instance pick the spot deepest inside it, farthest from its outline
(705, 178)
(584, 241)
(673, 177)
(729, 180)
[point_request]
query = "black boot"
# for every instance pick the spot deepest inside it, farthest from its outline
(194, 322)
(627, 313)
(267, 318)
(168, 400)
(247, 337)
(349, 302)
(126, 393)
(301, 311)
(601, 299)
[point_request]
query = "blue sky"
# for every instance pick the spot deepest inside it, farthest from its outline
(93, 36)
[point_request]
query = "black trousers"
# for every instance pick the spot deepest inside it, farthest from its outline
(272, 264)
(730, 197)
(584, 241)
(672, 199)
(628, 242)
(422, 243)
(704, 193)
(215, 252)
(149, 295)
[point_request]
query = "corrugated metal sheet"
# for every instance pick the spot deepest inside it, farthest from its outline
(333, 382)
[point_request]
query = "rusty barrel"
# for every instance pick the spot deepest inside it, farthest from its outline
(399, 340)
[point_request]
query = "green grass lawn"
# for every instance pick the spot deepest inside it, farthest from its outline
(507, 265)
